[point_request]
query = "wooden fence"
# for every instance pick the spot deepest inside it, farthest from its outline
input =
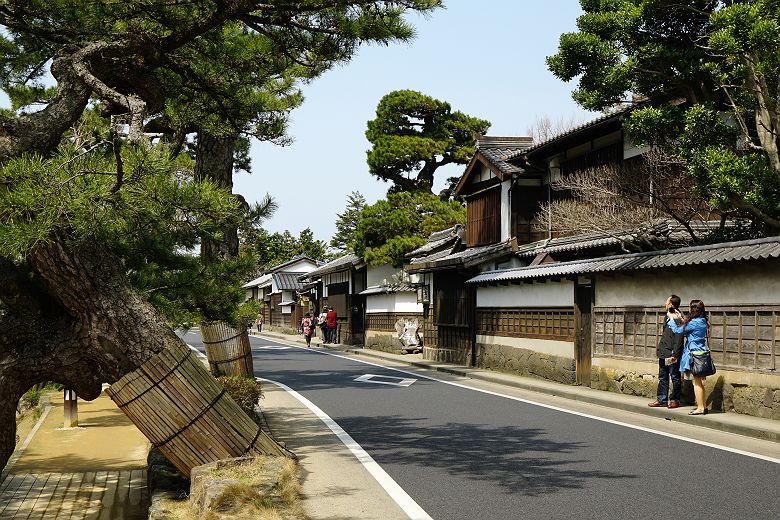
(746, 337)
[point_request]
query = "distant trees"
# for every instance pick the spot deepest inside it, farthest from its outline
(391, 228)
(413, 135)
(347, 223)
(276, 248)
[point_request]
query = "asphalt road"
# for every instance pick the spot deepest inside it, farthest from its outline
(465, 454)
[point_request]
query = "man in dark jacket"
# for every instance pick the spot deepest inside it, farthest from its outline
(669, 351)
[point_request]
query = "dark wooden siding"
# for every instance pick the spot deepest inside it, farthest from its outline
(483, 218)
(744, 338)
(385, 321)
(526, 201)
(542, 323)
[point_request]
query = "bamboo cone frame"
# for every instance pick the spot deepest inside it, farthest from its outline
(184, 412)
(227, 350)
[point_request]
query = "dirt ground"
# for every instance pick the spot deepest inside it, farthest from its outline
(104, 440)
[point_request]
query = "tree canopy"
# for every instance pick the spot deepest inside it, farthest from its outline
(97, 220)
(706, 76)
(413, 135)
(391, 228)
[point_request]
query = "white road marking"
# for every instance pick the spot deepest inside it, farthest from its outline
(271, 347)
(385, 380)
(564, 410)
(197, 352)
(396, 492)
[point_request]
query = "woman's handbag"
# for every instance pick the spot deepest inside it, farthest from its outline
(702, 364)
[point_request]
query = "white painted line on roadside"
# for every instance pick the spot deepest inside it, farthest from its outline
(383, 380)
(197, 352)
(396, 492)
(564, 410)
(271, 347)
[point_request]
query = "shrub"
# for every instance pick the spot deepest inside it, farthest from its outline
(245, 391)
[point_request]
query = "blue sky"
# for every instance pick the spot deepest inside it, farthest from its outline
(485, 58)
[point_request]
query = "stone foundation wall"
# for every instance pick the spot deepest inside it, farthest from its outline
(383, 341)
(749, 394)
(525, 362)
(447, 355)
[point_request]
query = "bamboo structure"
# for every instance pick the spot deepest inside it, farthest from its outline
(185, 412)
(227, 350)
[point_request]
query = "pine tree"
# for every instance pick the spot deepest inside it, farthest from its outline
(347, 222)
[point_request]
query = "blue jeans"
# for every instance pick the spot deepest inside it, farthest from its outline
(665, 372)
(332, 335)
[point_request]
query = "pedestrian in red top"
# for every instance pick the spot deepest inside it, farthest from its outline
(331, 319)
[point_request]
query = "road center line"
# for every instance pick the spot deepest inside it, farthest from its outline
(396, 492)
(557, 408)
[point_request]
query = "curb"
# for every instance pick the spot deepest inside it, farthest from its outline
(722, 421)
(45, 405)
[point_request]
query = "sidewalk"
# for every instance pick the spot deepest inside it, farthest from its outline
(756, 427)
(94, 471)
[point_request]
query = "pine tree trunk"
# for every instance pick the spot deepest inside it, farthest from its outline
(214, 162)
(75, 321)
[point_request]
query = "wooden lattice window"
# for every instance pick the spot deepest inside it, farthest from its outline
(542, 323)
(745, 337)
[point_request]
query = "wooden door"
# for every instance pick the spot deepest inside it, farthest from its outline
(583, 348)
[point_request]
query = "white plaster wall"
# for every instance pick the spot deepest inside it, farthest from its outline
(630, 150)
(376, 275)
(737, 284)
(393, 302)
(506, 216)
(544, 346)
(302, 266)
(550, 294)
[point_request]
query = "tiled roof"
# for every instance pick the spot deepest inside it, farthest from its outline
(619, 114)
(445, 239)
(764, 248)
(341, 263)
(466, 258)
(387, 289)
(498, 150)
(668, 228)
(287, 281)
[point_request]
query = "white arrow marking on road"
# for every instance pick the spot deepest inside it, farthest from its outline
(388, 380)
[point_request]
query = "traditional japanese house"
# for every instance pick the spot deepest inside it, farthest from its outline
(615, 323)
(278, 288)
(545, 321)
(338, 284)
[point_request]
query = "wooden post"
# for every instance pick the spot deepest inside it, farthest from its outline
(71, 415)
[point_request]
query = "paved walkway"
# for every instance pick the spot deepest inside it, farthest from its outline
(95, 471)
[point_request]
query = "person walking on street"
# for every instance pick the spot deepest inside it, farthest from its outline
(669, 351)
(695, 328)
(259, 323)
(323, 323)
(307, 328)
(331, 319)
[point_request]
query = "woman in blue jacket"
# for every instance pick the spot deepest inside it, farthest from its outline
(695, 328)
